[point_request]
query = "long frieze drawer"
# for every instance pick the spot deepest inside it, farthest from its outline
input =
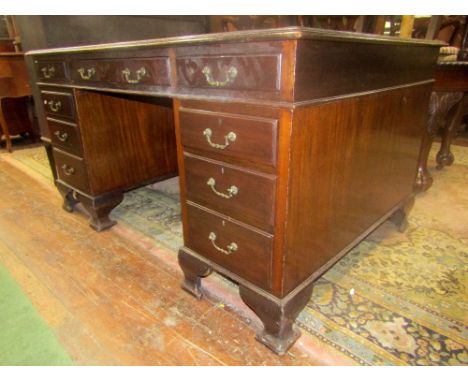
(230, 136)
(58, 104)
(244, 195)
(71, 170)
(148, 71)
(50, 70)
(236, 247)
(234, 72)
(65, 135)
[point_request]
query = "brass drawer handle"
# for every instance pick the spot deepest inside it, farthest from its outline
(230, 248)
(231, 137)
(61, 136)
(68, 170)
(54, 106)
(232, 191)
(48, 71)
(86, 74)
(230, 75)
(140, 73)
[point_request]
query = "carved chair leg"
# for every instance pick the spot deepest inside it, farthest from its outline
(423, 177)
(194, 269)
(277, 316)
(400, 216)
(4, 128)
(444, 156)
(100, 208)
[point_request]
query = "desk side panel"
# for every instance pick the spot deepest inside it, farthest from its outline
(331, 68)
(127, 140)
(352, 161)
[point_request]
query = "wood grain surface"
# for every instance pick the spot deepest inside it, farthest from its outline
(109, 301)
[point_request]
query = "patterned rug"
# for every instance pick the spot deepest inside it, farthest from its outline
(395, 299)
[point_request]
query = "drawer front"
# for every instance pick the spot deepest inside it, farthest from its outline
(65, 135)
(233, 72)
(71, 169)
(58, 104)
(237, 248)
(50, 70)
(243, 195)
(133, 72)
(229, 136)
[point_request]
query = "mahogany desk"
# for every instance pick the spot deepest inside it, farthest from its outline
(292, 145)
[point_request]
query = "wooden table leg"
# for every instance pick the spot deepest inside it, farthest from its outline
(4, 127)
(14, 118)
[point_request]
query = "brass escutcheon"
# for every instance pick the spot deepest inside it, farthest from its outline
(230, 137)
(61, 136)
(230, 248)
(86, 74)
(230, 76)
(68, 170)
(231, 191)
(140, 73)
(48, 71)
(54, 105)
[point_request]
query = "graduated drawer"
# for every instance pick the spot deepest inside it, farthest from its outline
(241, 194)
(71, 169)
(135, 71)
(232, 72)
(59, 104)
(230, 136)
(65, 135)
(50, 70)
(238, 248)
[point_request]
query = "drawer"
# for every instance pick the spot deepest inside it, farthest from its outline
(65, 135)
(50, 70)
(59, 104)
(243, 195)
(236, 247)
(71, 170)
(138, 71)
(230, 136)
(233, 72)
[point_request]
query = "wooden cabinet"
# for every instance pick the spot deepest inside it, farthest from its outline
(15, 93)
(292, 145)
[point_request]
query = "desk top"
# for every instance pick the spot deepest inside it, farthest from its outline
(290, 33)
(285, 66)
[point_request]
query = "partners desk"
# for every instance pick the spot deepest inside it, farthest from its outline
(291, 146)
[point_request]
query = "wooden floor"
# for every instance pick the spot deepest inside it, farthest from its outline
(109, 302)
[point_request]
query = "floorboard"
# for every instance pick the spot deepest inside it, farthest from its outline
(108, 301)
